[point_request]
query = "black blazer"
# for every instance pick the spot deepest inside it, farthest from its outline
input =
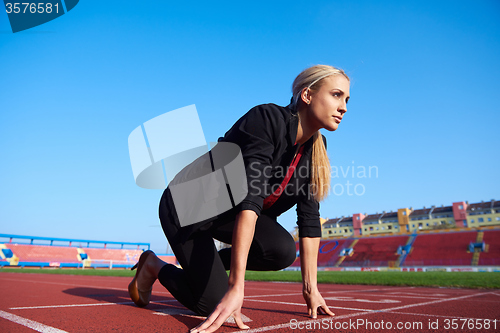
(266, 136)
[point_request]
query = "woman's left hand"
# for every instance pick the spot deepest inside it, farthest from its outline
(314, 302)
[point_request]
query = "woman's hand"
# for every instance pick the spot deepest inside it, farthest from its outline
(314, 302)
(229, 305)
(308, 262)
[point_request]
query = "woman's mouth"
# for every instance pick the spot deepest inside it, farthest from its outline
(337, 119)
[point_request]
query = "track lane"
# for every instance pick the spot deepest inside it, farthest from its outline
(86, 303)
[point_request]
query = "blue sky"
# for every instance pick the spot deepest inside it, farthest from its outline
(424, 108)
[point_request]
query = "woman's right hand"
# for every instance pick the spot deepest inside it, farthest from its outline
(229, 305)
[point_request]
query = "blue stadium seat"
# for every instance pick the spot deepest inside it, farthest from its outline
(7, 253)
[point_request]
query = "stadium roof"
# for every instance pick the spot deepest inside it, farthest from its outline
(481, 205)
(444, 209)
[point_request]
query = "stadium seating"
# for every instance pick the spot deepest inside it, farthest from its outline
(448, 249)
(492, 255)
(43, 255)
(67, 256)
(116, 257)
(375, 251)
(329, 251)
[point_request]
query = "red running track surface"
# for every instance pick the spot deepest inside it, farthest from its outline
(71, 303)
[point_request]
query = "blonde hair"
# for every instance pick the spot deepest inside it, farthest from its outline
(312, 78)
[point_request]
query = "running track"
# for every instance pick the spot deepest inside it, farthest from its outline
(66, 303)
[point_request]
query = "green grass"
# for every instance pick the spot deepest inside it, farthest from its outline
(490, 280)
(486, 280)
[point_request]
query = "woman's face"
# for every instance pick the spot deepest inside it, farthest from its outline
(327, 105)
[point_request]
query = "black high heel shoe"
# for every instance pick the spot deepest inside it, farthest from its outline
(140, 297)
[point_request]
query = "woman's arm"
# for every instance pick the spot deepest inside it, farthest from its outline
(233, 299)
(243, 232)
(309, 267)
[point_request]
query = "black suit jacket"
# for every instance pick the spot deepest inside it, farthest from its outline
(266, 136)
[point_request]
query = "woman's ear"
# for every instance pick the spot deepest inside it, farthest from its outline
(306, 95)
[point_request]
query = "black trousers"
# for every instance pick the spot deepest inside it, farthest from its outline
(203, 281)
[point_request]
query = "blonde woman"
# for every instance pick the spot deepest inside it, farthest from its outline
(286, 165)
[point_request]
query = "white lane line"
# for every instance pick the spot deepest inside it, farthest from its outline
(275, 302)
(287, 325)
(188, 313)
(350, 299)
(323, 292)
(369, 290)
(340, 292)
(81, 305)
(273, 295)
(417, 294)
(432, 302)
(400, 296)
(34, 325)
(437, 316)
(303, 304)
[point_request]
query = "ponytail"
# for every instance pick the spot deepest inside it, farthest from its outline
(320, 175)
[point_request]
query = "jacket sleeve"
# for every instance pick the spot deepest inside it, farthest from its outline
(308, 217)
(257, 133)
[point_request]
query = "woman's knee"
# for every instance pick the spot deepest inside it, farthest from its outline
(290, 255)
(284, 254)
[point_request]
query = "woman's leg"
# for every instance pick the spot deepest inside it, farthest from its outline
(202, 281)
(272, 249)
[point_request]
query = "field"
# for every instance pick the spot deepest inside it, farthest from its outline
(477, 280)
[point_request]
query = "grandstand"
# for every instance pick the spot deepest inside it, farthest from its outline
(375, 251)
(41, 255)
(491, 255)
(330, 251)
(433, 249)
(30, 251)
(442, 249)
(462, 234)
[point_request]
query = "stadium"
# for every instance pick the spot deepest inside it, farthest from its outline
(460, 237)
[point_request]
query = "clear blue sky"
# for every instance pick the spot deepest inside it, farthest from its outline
(424, 108)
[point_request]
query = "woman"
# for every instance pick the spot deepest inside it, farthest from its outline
(286, 164)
